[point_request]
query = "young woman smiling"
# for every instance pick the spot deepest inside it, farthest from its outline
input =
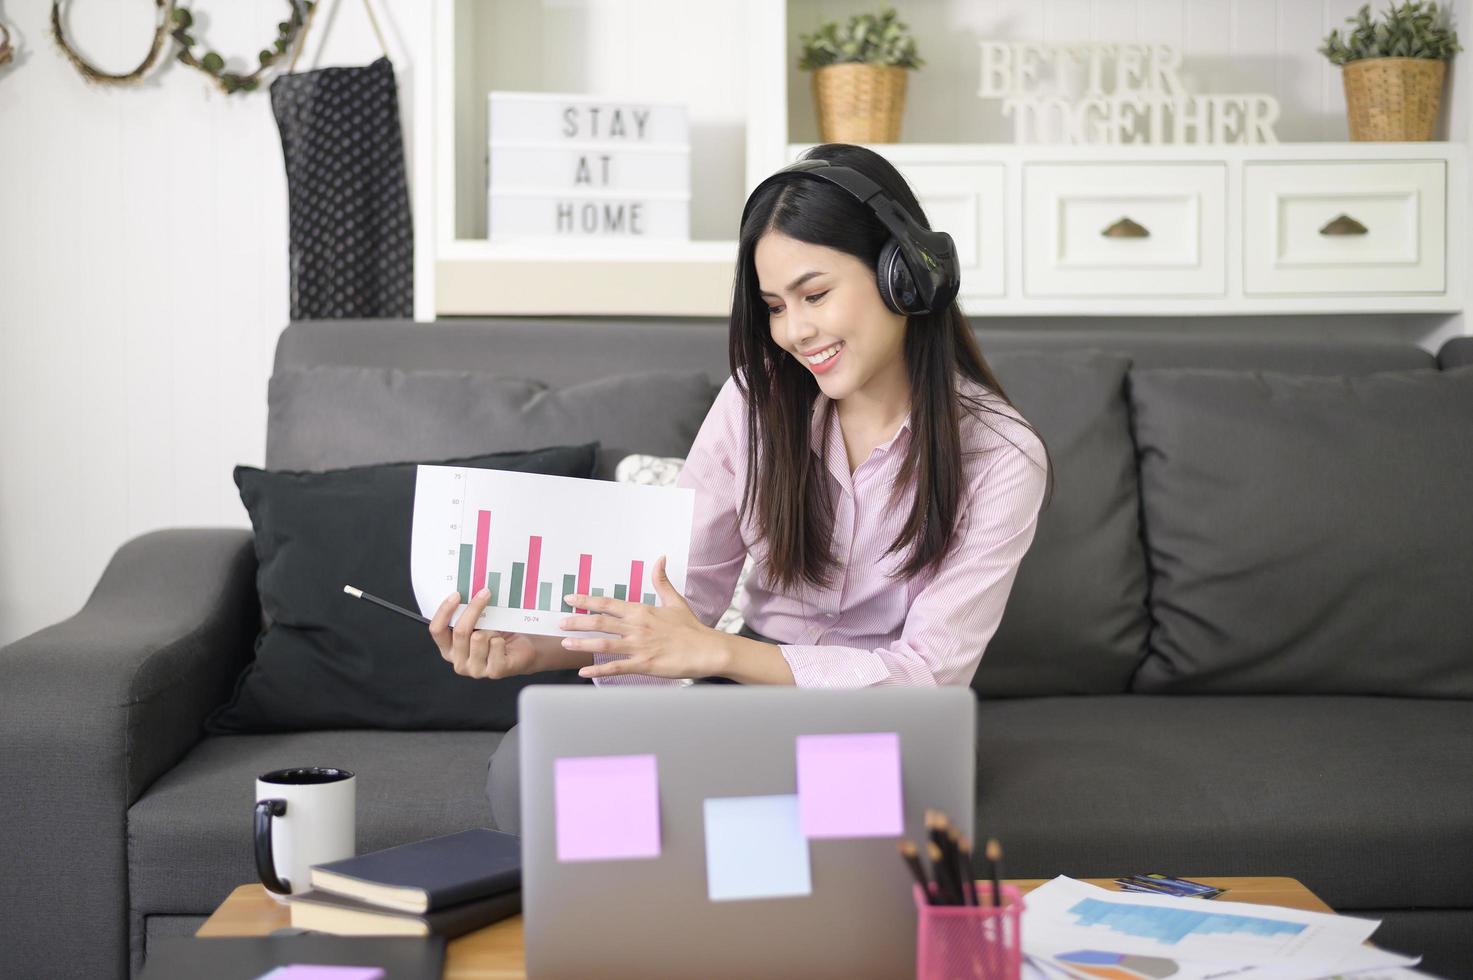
(866, 458)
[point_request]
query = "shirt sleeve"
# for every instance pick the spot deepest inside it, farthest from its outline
(954, 616)
(715, 471)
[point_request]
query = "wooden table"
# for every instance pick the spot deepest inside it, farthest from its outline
(495, 952)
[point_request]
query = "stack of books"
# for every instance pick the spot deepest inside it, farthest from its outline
(444, 886)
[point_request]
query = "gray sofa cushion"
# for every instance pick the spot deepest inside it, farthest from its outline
(324, 661)
(327, 417)
(1363, 799)
(189, 841)
(1307, 534)
(1076, 619)
(1457, 352)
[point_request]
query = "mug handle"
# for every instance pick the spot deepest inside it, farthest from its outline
(265, 861)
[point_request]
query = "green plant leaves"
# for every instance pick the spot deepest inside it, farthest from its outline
(1413, 29)
(871, 39)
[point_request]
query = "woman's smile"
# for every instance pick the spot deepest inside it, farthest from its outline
(825, 360)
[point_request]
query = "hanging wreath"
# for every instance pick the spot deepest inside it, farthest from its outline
(97, 75)
(213, 64)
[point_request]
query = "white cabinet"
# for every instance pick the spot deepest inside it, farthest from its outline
(1345, 227)
(966, 201)
(1124, 229)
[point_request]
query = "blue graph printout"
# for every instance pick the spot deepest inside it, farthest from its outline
(1171, 926)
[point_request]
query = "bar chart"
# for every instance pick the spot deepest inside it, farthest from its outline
(530, 540)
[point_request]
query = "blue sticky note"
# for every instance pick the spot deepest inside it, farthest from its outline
(755, 848)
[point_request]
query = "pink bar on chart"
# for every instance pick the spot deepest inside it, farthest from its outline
(534, 557)
(585, 573)
(478, 570)
(636, 576)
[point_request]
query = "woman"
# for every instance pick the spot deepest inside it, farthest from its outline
(883, 483)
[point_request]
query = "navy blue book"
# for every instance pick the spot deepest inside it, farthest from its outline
(429, 874)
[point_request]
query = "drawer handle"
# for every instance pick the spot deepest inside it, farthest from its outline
(1125, 228)
(1344, 225)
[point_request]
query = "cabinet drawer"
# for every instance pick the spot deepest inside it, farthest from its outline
(967, 202)
(1135, 229)
(1327, 227)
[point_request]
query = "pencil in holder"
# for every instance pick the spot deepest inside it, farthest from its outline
(970, 942)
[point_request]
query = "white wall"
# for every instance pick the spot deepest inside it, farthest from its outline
(143, 282)
(143, 242)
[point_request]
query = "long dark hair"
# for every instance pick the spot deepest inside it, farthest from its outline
(786, 486)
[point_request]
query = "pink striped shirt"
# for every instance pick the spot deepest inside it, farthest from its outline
(867, 628)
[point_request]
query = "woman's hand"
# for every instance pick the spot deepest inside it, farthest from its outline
(662, 641)
(485, 653)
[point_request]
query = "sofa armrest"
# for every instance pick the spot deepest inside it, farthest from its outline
(92, 710)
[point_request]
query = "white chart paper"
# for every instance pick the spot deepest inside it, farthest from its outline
(533, 539)
(1083, 929)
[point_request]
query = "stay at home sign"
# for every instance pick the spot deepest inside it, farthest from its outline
(578, 167)
(1114, 93)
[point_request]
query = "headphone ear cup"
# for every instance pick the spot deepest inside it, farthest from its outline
(897, 287)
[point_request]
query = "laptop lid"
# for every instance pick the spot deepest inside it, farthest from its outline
(655, 916)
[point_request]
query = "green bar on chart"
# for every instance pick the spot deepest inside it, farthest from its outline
(464, 584)
(618, 592)
(513, 599)
(544, 596)
(494, 584)
(568, 581)
(649, 598)
(596, 591)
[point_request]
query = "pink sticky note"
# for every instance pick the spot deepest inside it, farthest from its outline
(607, 807)
(849, 785)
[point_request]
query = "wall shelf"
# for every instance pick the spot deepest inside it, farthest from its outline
(1021, 215)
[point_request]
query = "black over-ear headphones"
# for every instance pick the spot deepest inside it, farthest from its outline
(918, 272)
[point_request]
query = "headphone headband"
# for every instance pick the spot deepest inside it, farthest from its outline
(926, 277)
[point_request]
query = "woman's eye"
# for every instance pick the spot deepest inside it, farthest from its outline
(774, 310)
(817, 296)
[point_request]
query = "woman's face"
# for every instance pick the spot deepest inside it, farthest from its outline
(819, 298)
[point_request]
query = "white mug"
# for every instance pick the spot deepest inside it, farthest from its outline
(304, 816)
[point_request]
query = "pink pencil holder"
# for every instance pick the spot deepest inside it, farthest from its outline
(970, 942)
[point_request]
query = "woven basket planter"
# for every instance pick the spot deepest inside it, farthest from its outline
(859, 103)
(1393, 98)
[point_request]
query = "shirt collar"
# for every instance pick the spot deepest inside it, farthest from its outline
(817, 436)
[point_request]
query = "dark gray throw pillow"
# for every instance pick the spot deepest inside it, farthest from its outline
(1076, 619)
(326, 417)
(1307, 535)
(327, 660)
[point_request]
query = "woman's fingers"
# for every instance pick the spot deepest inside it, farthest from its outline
(465, 627)
(599, 621)
(479, 654)
(440, 624)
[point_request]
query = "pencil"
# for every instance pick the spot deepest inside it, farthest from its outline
(994, 858)
(944, 886)
(969, 884)
(934, 840)
(945, 837)
(954, 852)
(360, 594)
(912, 859)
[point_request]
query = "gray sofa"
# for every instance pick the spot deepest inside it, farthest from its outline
(1109, 740)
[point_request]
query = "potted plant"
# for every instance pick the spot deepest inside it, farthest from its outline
(1393, 69)
(859, 76)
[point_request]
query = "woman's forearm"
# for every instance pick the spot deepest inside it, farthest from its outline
(552, 655)
(752, 661)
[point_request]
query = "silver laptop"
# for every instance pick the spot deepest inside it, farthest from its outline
(654, 916)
